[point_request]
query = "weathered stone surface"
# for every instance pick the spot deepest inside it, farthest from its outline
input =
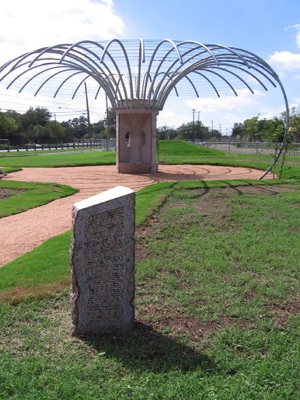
(136, 140)
(102, 263)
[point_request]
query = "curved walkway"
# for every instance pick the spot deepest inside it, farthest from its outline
(23, 232)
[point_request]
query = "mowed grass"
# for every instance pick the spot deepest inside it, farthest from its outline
(169, 152)
(217, 304)
(26, 195)
(57, 159)
(178, 152)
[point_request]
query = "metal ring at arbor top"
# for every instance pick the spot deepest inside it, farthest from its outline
(141, 74)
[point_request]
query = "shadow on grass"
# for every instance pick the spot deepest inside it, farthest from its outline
(146, 349)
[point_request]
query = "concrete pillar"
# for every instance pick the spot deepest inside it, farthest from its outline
(136, 140)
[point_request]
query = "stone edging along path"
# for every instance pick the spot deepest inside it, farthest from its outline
(23, 232)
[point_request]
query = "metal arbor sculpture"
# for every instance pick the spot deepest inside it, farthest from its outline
(137, 77)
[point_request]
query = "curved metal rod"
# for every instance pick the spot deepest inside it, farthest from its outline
(47, 50)
(77, 88)
(40, 73)
(194, 69)
(126, 58)
(177, 73)
(21, 58)
(287, 123)
(4, 66)
(78, 44)
(238, 77)
(29, 70)
(232, 50)
(248, 73)
(187, 61)
(141, 60)
(73, 48)
(193, 86)
(20, 75)
(179, 58)
(97, 93)
(98, 68)
(210, 82)
(200, 45)
(276, 77)
(64, 81)
(167, 72)
(262, 71)
(119, 74)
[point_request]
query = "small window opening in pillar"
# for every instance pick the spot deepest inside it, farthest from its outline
(143, 138)
(127, 139)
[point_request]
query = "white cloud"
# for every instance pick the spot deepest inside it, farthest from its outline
(226, 103)
(223, 111)
(285, 60)
(31, 24)
(297, 27)
(172, 119)
(298, 39)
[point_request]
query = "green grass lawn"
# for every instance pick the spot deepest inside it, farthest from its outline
(169, 152)
(217, 305)
(56, 159)
(26, 195)
(217, 302)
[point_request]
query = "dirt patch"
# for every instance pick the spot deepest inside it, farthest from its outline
(5, 193)
(282, 312)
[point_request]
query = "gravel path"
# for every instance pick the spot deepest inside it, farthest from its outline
(23, 232)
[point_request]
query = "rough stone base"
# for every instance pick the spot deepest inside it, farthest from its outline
(137, 168)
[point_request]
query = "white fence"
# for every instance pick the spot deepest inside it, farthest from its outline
(101, 144)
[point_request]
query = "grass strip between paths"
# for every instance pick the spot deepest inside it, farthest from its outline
(27, 195)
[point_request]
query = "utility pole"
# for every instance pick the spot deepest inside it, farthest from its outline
(107, 117)
(87, 109)
(193, 110)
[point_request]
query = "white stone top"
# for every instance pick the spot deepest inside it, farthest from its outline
(108, 195)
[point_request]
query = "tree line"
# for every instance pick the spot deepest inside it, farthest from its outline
(268, 130)
(252, 130)
(36, 126)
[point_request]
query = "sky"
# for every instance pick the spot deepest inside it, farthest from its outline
(268, 28)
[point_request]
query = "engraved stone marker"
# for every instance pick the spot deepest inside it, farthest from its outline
(102, 263)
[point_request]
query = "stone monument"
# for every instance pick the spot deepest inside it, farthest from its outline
(102, 263)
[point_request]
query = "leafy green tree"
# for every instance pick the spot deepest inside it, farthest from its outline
(79, 127)
(237, 130)
(295, 124)
(55, 132)
(110, 123)
(166, 133)
(99, 128)
(8, 128)
(34, 116)
(251, 128)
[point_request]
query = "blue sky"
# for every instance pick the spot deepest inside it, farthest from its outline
(270, 29)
